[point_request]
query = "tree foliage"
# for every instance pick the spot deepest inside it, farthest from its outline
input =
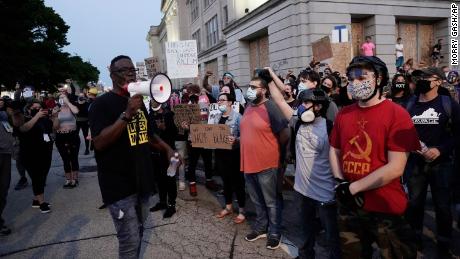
(32, 37)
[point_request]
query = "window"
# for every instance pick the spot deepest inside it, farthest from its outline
(208, 3)
(212, 32)
(194, 8)
(196, 36)
(225, 15)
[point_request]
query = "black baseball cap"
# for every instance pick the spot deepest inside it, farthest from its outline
(430, 71)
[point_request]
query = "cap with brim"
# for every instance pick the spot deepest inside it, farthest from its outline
(430, 71)
(228, 74)
(92, 91)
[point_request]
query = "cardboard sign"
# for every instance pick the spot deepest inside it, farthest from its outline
(189, 113)
(210, 136)
(182, 59)
(322, 49)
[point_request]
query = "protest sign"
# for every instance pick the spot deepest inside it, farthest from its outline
(210, 136)
(182, 59)
(189, 113)
(322, 49)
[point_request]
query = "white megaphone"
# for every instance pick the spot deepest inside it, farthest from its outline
(159, 88)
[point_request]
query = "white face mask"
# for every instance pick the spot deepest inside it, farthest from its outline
(251, 94)
(222, 108)
(302, 87)
(362, 90)
(306, 114)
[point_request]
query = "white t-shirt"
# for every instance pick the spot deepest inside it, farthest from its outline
(399, 50)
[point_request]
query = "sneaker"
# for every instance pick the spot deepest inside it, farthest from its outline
(273, 242)
(192, 188)
(75, 183)
(35, 204)
(157, 207)
(68, 185)
(22, 183)
(211, 185)
(253, 236)
(45, 207)
(170, 211)
(4, 231)
(181, 186)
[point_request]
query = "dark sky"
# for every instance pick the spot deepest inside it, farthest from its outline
(102, 29)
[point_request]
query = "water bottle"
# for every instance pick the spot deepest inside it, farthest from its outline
(171, 172)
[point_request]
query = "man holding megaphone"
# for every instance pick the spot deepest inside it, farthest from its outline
(122, 141)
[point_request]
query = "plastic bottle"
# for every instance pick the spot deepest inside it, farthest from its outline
(171, 172)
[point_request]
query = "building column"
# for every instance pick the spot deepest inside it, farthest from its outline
(382, 29)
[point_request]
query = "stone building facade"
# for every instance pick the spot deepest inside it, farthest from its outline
(239, 36)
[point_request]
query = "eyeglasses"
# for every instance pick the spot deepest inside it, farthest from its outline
(126, 70)
(254, 87)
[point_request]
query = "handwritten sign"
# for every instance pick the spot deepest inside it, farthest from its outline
(322, 49)
(189, 113)
(210, 136)
(182, 59)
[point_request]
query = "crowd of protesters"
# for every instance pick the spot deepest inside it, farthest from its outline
(365, 148)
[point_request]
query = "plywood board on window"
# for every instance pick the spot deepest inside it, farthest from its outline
(408, 33)
(212, 66)
(253, 56)
(426, 41)
(322, 49)
(341, 56)
(357, 37)
(264, 60)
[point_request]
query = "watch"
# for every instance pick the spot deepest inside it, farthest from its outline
(124, 118)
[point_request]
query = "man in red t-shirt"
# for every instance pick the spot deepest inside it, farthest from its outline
(370, 143)
(264, 134)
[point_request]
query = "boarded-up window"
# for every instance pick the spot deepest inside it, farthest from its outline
(212, 66)
(258, 54)
(357, 37)
(418, 40)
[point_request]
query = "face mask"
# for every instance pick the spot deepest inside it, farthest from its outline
(222, 108)
(362, 90)
(251, 94)
(301, 87)
(423, 86)
(305, 114)
(326, 89)
(400, 85)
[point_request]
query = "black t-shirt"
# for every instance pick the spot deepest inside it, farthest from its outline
(168, 134)
(125, 167)
(82, 109)
(223, 120)
(32, 144)
(431, 122)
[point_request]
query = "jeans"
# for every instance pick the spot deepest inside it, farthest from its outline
(399, 62)
(38, 166)
(263, 190)
(128, 216)
(84, 126)
(5, 179)
(306, 210)
(439, 177)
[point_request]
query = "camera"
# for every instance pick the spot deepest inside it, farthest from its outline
(263, 74)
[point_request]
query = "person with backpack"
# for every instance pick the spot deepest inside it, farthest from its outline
(369, 145)
(436, 118)
(314, 181)
(264, 134)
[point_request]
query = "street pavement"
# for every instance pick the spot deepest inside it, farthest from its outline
(76, 228)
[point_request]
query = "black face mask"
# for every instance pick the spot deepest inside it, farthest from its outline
(423, 86)
(326, 89)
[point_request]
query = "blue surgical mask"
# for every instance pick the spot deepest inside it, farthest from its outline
(301, 87)
(251, 94)
(222, 108)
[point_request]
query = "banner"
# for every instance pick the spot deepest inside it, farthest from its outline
(210, 136)
(189, 113)
(182, 59)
